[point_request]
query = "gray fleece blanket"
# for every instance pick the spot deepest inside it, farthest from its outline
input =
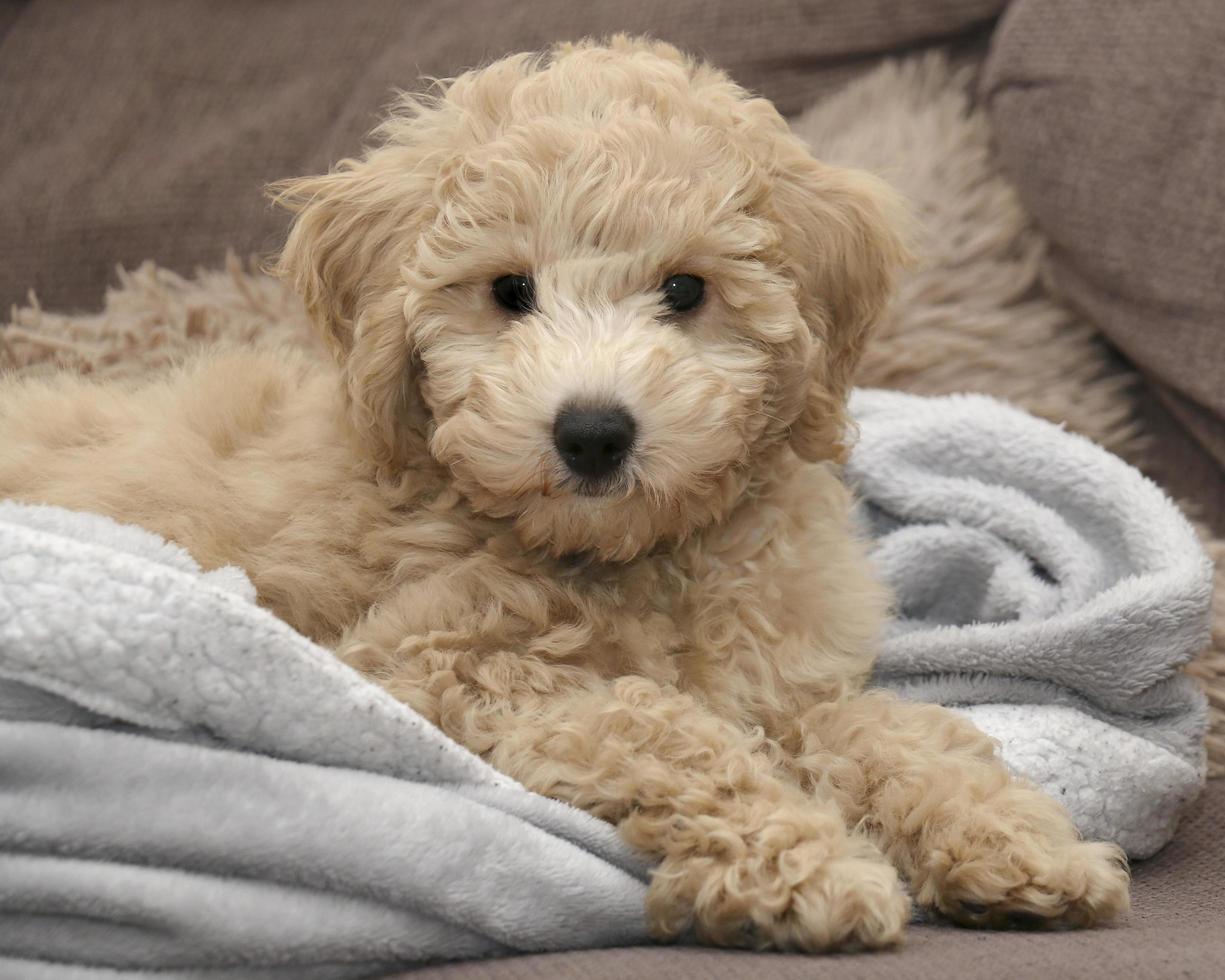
(188, 788)
(1051, 590)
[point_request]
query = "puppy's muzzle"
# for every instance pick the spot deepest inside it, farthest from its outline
(593, 442)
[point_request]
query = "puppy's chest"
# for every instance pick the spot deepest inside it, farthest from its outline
(702, 617)
(677, 622)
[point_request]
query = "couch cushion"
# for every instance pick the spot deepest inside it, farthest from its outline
(139, 129)
(9, 9)
(1109, 118)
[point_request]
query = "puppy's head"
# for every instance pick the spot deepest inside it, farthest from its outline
(601, 287)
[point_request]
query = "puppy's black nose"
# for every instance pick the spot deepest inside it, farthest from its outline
(593, 442)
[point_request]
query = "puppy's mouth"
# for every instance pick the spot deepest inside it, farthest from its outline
(617, 484)
(601, 487)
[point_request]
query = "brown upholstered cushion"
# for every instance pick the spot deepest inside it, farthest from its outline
(9, 9)
(140, 129)
(1175, 930)
(1110, 118)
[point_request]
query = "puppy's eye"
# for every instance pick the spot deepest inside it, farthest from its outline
(515, 294)
(683, 292)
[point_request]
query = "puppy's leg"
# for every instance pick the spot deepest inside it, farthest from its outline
(746, 858)
(979, 845)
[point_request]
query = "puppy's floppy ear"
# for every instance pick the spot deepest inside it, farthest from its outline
(842, 238)
(337, 253)
(352, 231)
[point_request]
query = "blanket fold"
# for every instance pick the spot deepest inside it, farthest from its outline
(189, 788)
(1033, 568)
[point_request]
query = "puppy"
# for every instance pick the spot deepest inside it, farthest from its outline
(570, 490)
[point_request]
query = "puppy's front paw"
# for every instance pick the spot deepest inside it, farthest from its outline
(1028, 881)
(799, 897)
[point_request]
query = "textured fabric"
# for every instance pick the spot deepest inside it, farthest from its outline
(9, 9)
(1049, 586)
(1108, 116)
(1180, 464)
(139, 129)
(973, 316)
(187, 782)
(1176, 929)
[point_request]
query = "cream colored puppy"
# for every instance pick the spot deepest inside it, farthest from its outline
(570, 491)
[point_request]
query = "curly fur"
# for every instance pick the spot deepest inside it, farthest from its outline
(683, 655)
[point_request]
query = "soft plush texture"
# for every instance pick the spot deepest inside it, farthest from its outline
(1033, 568)
(249, 306)
(290, 812)
(1177, 896)
(1174, 931)
(243, 94)
(672, 636)
(135, 683)
(973, 316)
(977, 315)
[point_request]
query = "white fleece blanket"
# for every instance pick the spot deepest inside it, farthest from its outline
(189, 788)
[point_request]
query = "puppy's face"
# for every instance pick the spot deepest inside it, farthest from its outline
(603, 290)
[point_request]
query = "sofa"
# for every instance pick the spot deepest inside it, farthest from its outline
(138, 129)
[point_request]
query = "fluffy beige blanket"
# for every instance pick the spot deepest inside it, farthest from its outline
(975, 316)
